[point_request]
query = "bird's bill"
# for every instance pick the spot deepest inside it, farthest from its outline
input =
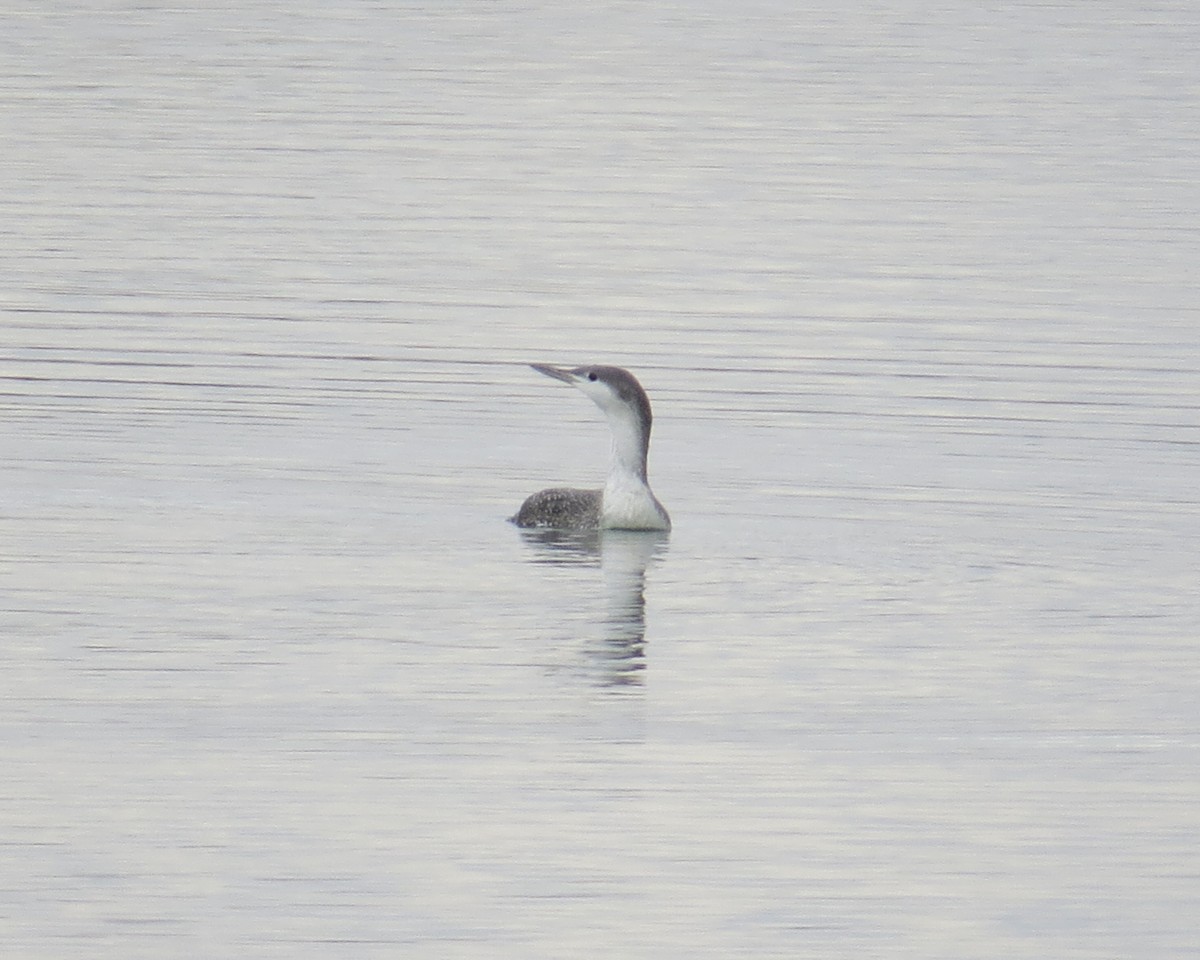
(566, 376)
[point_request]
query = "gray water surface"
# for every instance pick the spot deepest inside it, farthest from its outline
(913, 291)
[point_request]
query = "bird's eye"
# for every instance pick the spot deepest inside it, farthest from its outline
(592, 376)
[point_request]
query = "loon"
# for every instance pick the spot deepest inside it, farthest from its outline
(626, 502)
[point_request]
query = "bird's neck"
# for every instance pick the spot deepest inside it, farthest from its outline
(630, 447)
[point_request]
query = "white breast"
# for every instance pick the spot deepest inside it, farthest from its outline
(629, 505)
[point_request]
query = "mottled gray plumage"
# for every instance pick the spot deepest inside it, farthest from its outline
(626, 501)
(563, 508)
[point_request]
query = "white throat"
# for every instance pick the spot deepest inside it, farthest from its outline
(628, 502)
(628, 443)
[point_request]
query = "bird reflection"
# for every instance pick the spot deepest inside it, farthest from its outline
(623, 557)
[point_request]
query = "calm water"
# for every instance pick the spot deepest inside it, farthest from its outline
(913, 289)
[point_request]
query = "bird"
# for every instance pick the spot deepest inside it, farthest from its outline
(626, 501)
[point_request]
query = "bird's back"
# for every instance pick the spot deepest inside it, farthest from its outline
(563, 508)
